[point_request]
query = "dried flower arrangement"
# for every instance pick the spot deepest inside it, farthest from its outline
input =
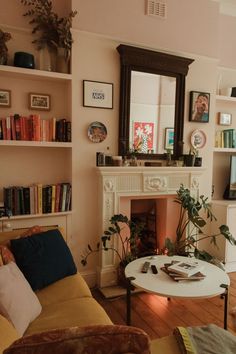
(55, 31)
(4, 37)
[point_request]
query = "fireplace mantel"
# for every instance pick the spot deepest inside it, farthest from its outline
(116, 183)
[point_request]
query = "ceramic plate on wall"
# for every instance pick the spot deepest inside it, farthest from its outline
(97, 132)
(198, 139)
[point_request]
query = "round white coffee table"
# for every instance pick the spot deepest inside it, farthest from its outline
(215, 283)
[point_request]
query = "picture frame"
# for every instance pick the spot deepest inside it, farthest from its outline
(169, 139)
(5, 98)
(97, 94)
(199, 106)
(225, 118)
(39, 101)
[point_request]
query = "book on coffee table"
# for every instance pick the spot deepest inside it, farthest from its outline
(178, 277)
(186, 268)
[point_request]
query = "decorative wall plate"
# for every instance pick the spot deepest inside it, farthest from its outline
(198, 139)
(97, 132)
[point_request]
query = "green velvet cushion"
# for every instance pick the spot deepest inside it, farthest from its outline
(43, 258)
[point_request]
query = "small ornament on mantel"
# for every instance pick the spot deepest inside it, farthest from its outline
(4, 37)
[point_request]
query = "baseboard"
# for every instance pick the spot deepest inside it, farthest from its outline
(90, 277)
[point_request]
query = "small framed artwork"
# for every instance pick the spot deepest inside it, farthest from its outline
(169, 138)
(39, 101)
(199, 107)
(5, 98)
(97, 94)
(225, 118)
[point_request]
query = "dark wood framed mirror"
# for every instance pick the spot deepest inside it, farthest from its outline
(152, 93)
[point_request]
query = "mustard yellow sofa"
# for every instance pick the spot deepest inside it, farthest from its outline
(72, 320)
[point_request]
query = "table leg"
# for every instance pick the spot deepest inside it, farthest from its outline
(128, 300)
(225, 295)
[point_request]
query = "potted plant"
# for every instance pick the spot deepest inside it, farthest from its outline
(4, 37)
(126, 247)
(54, 31)
(191, 225)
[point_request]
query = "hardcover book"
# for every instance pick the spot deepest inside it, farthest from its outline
(186, 268)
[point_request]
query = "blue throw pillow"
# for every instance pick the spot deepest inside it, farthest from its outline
(43, 258)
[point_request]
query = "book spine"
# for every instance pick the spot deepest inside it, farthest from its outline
(26, 194)
(40, 198)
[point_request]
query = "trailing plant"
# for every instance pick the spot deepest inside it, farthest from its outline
(4, 37)
(127, 251)
(54, 31)
(190, 228)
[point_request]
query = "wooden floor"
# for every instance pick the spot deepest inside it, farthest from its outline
(158, 317)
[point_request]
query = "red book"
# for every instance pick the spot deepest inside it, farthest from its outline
(17, 126)
(36, 127)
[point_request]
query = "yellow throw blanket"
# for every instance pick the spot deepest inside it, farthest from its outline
(209, 339)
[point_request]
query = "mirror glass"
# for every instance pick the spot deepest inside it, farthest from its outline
(152, 93)
(152, 112)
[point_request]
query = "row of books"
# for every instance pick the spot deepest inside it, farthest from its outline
(188, 270)
(38, 198)
(225, 138)
(33, 128)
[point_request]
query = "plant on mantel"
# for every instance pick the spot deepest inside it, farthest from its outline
(190, 229)
(55, 31)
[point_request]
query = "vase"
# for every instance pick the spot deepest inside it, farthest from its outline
(62, 65)
(47, 60)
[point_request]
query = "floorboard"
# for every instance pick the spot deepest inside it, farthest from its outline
(158, 317)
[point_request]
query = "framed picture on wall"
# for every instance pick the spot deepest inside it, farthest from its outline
(169, 138)
(97, 94)
(199, 107)
(39, 101)
(5, 98)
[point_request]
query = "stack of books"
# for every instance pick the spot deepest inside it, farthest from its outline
(184, 270)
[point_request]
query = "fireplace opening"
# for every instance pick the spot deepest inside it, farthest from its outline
(143, 213)
(159, 216)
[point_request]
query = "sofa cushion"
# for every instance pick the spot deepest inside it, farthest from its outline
(76, 312)
(18, 303)
(91, 339)
(8, 333)
(71, 287)
(43, 258)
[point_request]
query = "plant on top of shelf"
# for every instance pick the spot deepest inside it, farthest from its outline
(127, 249)
(4, 37)
(55, 31)
(191, 224)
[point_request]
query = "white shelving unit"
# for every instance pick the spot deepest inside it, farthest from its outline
(28, 162)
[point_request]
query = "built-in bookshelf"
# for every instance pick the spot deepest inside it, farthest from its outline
(27, 162)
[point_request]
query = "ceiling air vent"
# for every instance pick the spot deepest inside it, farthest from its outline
(156, 8)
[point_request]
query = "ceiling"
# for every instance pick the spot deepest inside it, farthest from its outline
(227, 7)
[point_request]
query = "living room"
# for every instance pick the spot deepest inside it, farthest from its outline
(202, 30)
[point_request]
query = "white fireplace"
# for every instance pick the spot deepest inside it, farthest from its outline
(117, 185)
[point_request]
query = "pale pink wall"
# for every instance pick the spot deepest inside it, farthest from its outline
(227, 41)
(191, 25)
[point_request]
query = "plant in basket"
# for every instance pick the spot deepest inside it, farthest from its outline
(4, 37)
(122, 237)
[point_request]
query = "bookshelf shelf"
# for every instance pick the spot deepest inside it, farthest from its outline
(225, 98)
(47, 144)
(12, 71)
(35, 216)
(225, 150)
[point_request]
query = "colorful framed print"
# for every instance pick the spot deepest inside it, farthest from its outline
(169, 138)
(199, 107)
(143, 136)
(97, 132)
(5, 98)
(39, 101)
(97, 94)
